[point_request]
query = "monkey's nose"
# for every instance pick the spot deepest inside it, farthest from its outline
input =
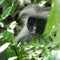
(33, 30)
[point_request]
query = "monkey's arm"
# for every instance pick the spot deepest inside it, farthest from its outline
(24, 35)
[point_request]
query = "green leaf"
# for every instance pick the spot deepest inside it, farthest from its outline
(51, 24)
(57, 13)
(1, 1)
(6, 13)
(7, 36)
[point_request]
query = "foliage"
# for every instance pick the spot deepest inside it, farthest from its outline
(37, 49)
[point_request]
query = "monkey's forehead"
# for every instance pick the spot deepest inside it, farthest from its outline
(35, 11)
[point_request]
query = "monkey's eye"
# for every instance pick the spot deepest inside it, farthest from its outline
(31, 24)
(41, 25)
(31, 20)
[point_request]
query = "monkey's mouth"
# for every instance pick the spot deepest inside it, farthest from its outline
(34, 34)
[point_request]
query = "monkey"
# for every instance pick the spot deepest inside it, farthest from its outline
(34, 20)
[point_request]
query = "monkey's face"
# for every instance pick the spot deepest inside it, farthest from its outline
(36, 25)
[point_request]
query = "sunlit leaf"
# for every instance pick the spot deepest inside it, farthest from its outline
(12, 58)
(6, 13)
(1, 1)
(4, 46)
